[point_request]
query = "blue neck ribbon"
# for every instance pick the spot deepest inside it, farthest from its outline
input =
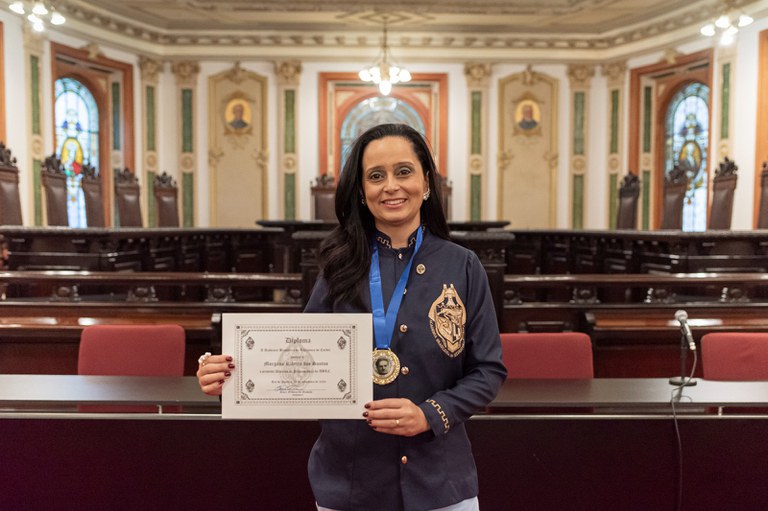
(384, 325)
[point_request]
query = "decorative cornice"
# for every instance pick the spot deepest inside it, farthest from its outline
(288, 72)
(477, 73)
(150, 69)
(580, 75)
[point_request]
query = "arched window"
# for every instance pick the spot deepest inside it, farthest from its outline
(77, 140)
(687, 145)
(372, 112)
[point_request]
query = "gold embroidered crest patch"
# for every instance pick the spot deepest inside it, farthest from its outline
(447, 320)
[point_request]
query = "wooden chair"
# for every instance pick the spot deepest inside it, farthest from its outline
(128, 198)
(166, 200)
(561, 355)
(131, 350)
(675, 187)
(54, 180)
(10, 199)
(94, 198)
(629, 192)
(324, 199)
(723, 188)
(445, 189)
(762, 215)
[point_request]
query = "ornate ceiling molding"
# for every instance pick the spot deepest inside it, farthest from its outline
(417, 26)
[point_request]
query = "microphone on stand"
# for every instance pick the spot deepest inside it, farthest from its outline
(682, 317)
(686, 337)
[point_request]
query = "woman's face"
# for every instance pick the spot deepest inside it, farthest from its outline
(393, 184)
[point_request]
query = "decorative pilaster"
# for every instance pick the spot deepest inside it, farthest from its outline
(726, 59)
(33, 49)
(288, 76)
(580, 77)
(150, 73)
(478, 78)
(615, 72)
(646, 152)
(186, 84)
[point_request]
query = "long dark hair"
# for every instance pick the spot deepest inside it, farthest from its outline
(345, 255)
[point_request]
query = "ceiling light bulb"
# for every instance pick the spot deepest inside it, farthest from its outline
(57, 19)
(708, 30)
(726, 39)
(385, 87)
(723, 21)
(34, 19)
(38, 26)
(365, 75)
(17, 7)
(39, 9)
(745, 20)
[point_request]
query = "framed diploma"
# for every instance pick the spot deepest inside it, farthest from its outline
(297, 366)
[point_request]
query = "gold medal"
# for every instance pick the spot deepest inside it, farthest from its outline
(386, 366)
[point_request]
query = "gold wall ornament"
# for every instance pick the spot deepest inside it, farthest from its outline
(185, 72)
(477, 73)
(288, 72)
(150, 69)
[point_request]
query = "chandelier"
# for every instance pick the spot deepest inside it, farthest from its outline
(37, 13)
(727, 25)
(385, 72)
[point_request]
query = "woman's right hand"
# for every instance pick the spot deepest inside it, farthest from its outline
(213, 371)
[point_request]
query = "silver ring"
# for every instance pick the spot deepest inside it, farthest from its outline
(203, 358)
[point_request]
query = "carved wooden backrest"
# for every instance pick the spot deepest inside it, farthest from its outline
(723, 187)
(675, 186)
(94, 198)
(324, 199)
(166, 200)
(445, 194)
(629, 192)
(54, 181)
(762, 215)
(10, 199)
(128, 197)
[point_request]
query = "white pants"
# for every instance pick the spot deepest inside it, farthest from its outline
(465, 505)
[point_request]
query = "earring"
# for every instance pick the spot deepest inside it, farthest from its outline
(426, 195)
(362, 201)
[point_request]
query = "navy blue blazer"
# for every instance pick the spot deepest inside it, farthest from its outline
(447, 339)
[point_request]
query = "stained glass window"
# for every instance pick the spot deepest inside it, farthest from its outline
(687, 136)
(372, 112)
(77, 140)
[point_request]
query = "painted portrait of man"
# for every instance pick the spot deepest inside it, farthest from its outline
(238, 115)
(527, 115)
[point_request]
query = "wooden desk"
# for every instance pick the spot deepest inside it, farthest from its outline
(55, 390)
(547, 461)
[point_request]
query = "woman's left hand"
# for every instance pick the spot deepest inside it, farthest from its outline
(396, 417)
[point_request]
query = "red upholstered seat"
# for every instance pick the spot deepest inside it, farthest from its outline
(560, 355)
(131, 350)
(735, 356)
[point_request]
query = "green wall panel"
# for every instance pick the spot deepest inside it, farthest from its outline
(150, 100)
(188, 205)
(477, 112)
(578, 201)
(475, 211)
(186, 121)
(725, 102)
(646, 198)
(116, 123)
(613, 199)
(579, 100)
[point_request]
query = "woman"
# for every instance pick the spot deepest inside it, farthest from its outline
(434, 325)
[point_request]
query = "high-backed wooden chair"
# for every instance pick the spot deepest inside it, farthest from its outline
(675, 187)
(54, 180)
(629, 192)
(166, 200)
(445, 189)
(723, 187)
(762, 215)
(10, 199)
(128, 198)
(94, 198)
(324, 198)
